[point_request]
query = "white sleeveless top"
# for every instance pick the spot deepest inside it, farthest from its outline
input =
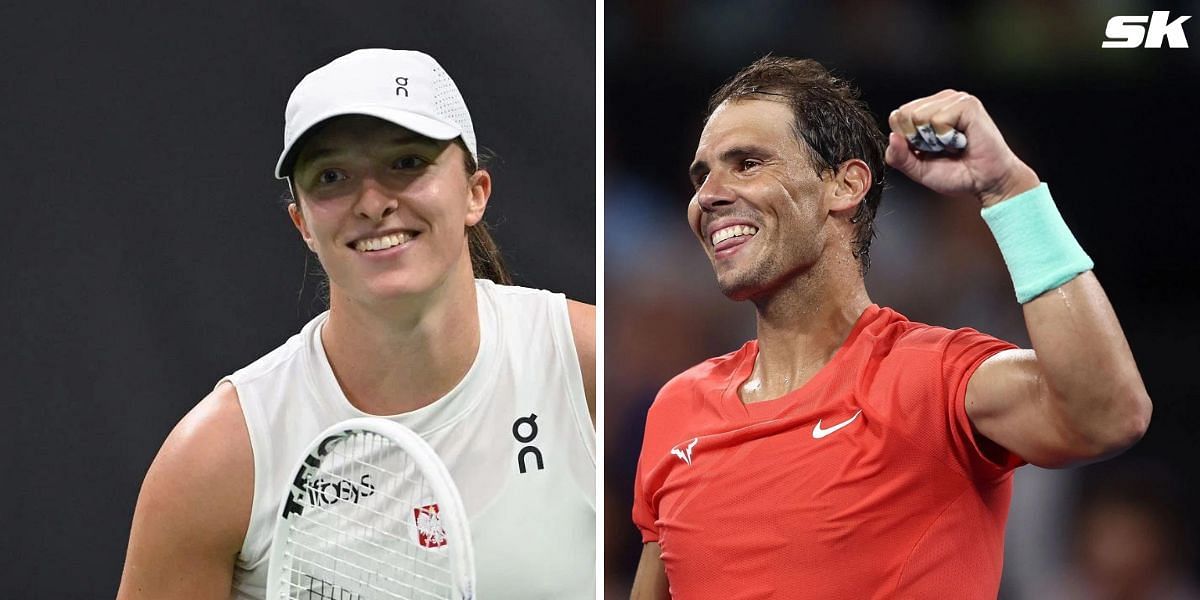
(532, 522)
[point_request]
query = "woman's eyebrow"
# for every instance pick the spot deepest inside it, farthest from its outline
(405, 140)
(321, 152)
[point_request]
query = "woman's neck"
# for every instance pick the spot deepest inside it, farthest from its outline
(396, 357)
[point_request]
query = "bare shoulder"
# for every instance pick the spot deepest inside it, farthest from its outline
(583, 325)
(194, 507)
(209, 447)
(583, 329)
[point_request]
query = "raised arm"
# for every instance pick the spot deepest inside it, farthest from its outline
(1077, 395)
(194, 507)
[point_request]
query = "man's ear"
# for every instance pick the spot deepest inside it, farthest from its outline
(298, 220)
(480, 192)
(850, 184)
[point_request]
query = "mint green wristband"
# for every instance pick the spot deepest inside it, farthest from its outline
(1038, 248)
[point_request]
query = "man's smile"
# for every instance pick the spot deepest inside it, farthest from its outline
(732, 232)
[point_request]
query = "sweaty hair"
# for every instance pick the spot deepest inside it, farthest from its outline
(829, 118)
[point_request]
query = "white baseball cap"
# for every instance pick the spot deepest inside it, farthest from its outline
(405, 87)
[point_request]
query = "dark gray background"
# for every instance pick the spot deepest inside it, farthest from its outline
(145, 249)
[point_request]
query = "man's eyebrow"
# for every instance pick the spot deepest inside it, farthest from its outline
(739, 152)
(733, 154)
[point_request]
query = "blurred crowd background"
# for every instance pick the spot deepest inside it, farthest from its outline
(1114, 133)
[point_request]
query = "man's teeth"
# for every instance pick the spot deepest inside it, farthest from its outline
(734, 231)
(381, 243)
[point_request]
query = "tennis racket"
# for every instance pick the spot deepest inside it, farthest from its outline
(371, 514)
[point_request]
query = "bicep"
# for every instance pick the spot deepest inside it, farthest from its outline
(583, 329)
(650, 583)
(194, 507)
(1009, 403)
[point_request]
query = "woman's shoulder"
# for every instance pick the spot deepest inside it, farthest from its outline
(518, 303)
(572, 324)
(511, 291)
(529, 296)
(281, 356)
(194, 507)
(211, 442)
(203, 477)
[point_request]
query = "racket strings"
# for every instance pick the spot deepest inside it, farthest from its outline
(379, 557)
(398, 518)
(341, 533)
(311, 591)
(312, 547)
(384, 516)
(437, 589)
(345, 548)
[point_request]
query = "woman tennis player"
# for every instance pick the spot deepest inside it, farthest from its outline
(422, 329)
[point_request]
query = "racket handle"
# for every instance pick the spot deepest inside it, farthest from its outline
(925, 140)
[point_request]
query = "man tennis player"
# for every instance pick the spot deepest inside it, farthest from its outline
(848, 452)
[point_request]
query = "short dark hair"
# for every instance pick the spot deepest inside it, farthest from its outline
(829, 118)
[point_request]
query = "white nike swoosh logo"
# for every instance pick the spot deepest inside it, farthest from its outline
(819, 433)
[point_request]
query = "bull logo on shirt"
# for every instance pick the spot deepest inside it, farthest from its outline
(685, 454)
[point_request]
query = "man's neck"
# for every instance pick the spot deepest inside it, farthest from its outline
(800, 327)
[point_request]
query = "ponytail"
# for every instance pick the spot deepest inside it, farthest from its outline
(486, 261)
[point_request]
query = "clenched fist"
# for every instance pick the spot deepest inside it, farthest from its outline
(986, 170)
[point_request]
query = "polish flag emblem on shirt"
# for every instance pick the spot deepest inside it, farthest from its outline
(430, 533)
